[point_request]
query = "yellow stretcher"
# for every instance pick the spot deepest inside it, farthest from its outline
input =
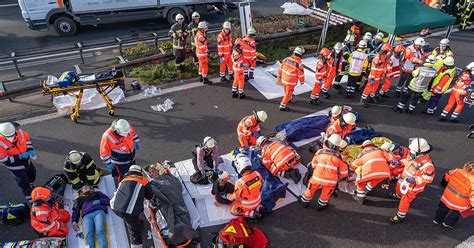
(104, 83)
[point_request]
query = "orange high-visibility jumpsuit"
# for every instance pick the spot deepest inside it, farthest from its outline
(238, 61)
(377, 72)
(246, 131)
(49, 220)
(423, 171)
(279, 158)
(118, 150)
(457, 95)
(393, 71)
(323, 68)
(290, 72)
(336, 67)
(247, 196)
(200, 41)
(375, 169)
(224, 51)
(249, 51)
(328, 166)
(335, 128)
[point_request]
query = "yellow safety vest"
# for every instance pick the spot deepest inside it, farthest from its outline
(441, 75)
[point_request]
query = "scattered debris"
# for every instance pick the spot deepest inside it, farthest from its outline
(150, 90)
(167, 105)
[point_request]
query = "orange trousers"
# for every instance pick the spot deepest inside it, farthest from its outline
(289, 89)
(454, 98)
(238, 210)
(239, 82)
(326, 192)
(64, 218)
(247, 141)
(371, 89)
(386, 85)
(317, 88)
(329, 81)
(405, 201)
(225, 64)
(368, 185)
(203, 65)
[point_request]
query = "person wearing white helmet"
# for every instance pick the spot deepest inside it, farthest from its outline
(413, 57)
(335, 113)
(179, 34)
(248, 129)
(422, 76)
(290, 72)
(16, 153)
(192, 29)
(367, 37)
(202, 52)
(440, 84)
(372, 167)
(118, 146)
(279, 158)
(462, 87)
(342, 126)
(81, 170)
(249, 52)
(327, 168)
(376, 43)
(358, 63)
(221, 187)
(335, 75)
(246, 196)
(206, 157)
(419, 171)
(224, 51)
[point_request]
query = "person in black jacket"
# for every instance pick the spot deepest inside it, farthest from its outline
(222, 187)
(81, 170)
(127, 202)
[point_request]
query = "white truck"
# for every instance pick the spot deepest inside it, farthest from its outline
(65, 16)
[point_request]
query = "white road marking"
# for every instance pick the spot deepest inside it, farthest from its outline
(8, 5)
(468, 243)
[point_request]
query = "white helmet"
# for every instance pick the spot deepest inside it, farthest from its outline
(444, 42)
(338, 47)
(179, 17)
(367, 143)
(470, 66)
(299, 50)
(419, 145)
(121, 126)
(209, 142)
(75, 157)
(349, 118)
(202, 25)
(7, 129)
(223, 175)
(431, 59)
(242, 163)
(336, 110)
(449, 61)
(388, 146)
(227, 24)
(261, 140)
(367, 36)
(135, 168)
(420, 41)
(362, 44)
(379, 36)
(260, 115)
(251, 31)
(196, 14)
(334, 141)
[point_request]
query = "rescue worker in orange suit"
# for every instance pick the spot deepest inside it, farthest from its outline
(337, 59)
(238, 67)
(371, 168)
(342, 126)
(323, 68)
(291, 72)
(328, 168)
(46, 216)
(246, 196)
(224, 51)
(335, 113)
(249, 51)
(458, 195)
(16, 152)
(279, 159)
(248, 129)
(398, 152)
(413, 57)
(440, 84)
(377, 72)
(118, 146)
(458, 93)
(393, 70)
(202, 52)
(355, 31)
(419, 171)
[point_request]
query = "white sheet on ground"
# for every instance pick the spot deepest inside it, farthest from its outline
(210, 213)
(295, 9)
(90, 100)
(116, 233)
(265, 83)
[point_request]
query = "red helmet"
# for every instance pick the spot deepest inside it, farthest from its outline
(325, 52)
(41, 193)
(399, 49)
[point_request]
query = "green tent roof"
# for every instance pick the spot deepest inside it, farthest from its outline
(393, 16)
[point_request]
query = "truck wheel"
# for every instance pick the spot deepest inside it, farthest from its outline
(65, 26)
(172, 13)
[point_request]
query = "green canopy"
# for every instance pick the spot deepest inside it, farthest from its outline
(393, 16)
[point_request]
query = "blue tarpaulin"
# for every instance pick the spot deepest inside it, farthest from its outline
(359, 136)
(304, 128)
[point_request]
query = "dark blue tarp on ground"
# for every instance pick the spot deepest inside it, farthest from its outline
(304, 128)
(359, 136)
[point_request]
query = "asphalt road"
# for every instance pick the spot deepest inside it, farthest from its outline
(16, 36)
(209, 110)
